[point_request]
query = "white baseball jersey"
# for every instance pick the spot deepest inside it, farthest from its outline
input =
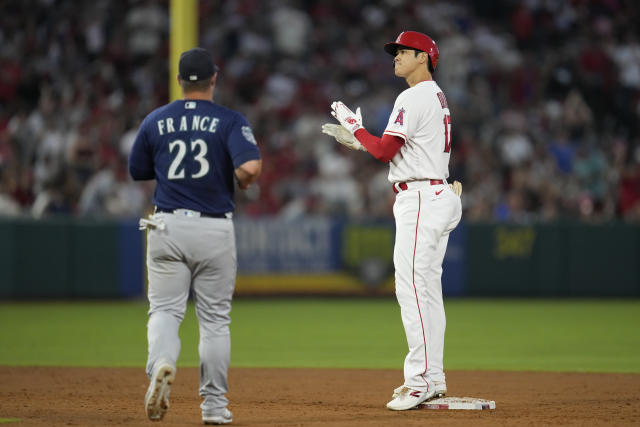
(421, 118)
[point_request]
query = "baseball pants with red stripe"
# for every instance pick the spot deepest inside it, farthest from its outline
(424, 218)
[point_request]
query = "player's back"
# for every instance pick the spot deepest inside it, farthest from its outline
(192, 146)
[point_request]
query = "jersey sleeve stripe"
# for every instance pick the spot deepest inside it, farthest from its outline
(392, 133)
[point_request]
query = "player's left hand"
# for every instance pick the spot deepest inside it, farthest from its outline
(343, 136)
(348, 119)
(456, 187)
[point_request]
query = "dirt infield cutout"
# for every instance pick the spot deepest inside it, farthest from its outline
(39, 396)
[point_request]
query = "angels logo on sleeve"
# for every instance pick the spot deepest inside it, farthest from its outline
(398, 121)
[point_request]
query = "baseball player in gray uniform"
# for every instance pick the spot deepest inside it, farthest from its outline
(416, 144)
(194, 149)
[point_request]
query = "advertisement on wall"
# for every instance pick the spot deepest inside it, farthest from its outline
(323, 255)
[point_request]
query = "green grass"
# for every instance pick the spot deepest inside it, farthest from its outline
(600, 336)
(549, 335)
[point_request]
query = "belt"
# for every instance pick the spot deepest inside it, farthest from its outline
(189, 212)
(402, 186)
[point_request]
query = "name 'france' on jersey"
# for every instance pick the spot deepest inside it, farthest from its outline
(191, 148)
(421, 117)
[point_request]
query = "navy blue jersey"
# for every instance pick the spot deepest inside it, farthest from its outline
(191, 148)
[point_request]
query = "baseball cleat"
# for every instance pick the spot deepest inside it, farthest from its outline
(408, 398)
(440, 386)
(223, 417)
(156, 401)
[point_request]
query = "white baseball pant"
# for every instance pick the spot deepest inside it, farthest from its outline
(425, 214)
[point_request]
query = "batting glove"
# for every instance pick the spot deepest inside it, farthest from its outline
(151, 223)
(456, 187)
(348, 119)
(343, 136)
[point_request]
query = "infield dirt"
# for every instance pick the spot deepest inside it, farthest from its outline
(44, 396)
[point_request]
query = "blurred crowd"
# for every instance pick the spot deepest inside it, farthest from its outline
(544, 97)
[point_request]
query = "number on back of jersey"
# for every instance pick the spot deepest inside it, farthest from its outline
(447, 133)
(198, 150)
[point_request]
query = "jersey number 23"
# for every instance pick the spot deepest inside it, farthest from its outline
(198, 150)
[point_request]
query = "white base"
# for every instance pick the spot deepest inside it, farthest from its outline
(472, 403)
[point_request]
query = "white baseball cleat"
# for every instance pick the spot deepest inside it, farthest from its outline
(440, 387)
(223, 417)
(408, 398)
(156, 401)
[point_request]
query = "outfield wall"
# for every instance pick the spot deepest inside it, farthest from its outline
(68, 258)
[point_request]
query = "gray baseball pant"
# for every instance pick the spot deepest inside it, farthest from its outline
(194, 253)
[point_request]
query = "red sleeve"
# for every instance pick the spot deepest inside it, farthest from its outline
(383, 148)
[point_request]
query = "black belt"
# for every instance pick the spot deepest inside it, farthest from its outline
(202, 214)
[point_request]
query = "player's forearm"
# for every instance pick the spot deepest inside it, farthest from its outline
(248, 172)
(383, 148)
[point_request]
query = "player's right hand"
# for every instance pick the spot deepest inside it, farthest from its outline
(348, 119)
(343, 136)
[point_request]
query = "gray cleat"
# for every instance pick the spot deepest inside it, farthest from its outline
(156, 401)
(221, 417)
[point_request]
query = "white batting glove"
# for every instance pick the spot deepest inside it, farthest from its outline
(456, 187)
(151, 223)
(343, 136)
(348, 119)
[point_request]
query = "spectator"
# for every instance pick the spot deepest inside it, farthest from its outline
(8, 205)
(111, 193)
(541, 93)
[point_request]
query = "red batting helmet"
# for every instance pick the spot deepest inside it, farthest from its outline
(415, 40)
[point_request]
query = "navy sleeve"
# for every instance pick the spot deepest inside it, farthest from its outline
(241, 143)
(141, 157)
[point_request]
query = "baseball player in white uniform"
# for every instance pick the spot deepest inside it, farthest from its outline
(417, 144)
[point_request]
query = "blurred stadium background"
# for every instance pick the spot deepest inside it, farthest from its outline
(545, 100)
